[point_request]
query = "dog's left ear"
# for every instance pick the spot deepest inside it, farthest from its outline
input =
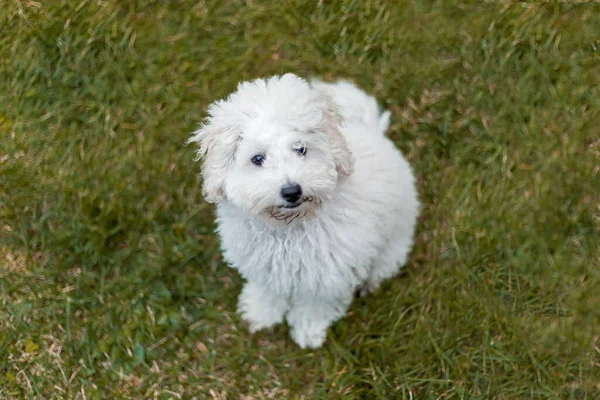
(217, 139)
(344, 160)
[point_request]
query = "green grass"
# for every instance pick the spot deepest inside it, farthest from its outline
(111, 282)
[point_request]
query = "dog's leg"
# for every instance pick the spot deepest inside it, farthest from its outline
(261, 307)
(309, 318)
(388, 264)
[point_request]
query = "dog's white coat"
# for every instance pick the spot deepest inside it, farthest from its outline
(356, 225)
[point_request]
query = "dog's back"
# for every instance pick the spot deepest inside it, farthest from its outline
(355, 105)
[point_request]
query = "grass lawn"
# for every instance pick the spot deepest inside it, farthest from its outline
(111, 281)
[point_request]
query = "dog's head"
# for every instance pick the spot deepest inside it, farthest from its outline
(273, 148)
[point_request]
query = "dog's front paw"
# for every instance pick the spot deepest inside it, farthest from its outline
(255, 325)
(259, 308)
(310, 317)
(258, 317)
(312, 338)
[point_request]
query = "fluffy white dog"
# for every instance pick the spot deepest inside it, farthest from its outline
(314, 202)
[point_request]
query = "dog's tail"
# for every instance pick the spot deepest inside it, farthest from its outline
(355, 105)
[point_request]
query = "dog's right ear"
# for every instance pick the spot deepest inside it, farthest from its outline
(217, 139)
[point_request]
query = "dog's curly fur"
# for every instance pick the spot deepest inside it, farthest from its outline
(351, 228)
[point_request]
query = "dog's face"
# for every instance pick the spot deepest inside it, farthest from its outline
(273, 148)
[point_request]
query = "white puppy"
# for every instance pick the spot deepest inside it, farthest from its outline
(314, 202)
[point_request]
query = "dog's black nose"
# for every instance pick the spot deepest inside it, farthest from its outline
(291, 192)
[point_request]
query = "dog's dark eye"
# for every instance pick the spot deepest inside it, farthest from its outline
(258, 160)
(301, 149)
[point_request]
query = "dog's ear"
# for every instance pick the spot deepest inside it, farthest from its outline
(344, 160)
(217, 140)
